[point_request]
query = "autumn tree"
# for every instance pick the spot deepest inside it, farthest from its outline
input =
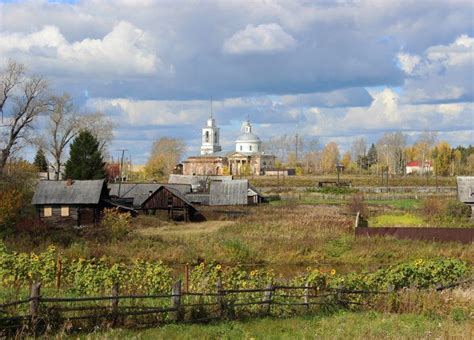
(165, 154)
(26, 98)
(40, 161)
(443, 157)
(85, 159)
(330, 157)
(346, 160)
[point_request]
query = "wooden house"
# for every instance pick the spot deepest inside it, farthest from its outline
(171, 200)
(70, 203)
(135, 194)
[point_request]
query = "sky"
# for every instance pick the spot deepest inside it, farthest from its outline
(335, 70)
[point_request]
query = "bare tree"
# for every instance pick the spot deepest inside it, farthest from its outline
(10, 78)
(390, 151)
(63, 126)
(359, 147)
(101, 128)
(28, 97)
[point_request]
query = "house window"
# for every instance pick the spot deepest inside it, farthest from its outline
(64, 210)
(48, 211)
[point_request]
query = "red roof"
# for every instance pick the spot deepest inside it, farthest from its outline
(418, 164)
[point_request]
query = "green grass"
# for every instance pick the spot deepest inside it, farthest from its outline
(342, 325)
(402, 204)
(388, 220)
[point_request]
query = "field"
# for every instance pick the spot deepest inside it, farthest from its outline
(356, 180)
(285, 237)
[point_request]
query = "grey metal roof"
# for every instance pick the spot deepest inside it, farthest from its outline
(229, 192)
(141, 191)
(248, 137)
(58, 192)
(198, 198)
(254, 189)
(195, 181)
(465, 188)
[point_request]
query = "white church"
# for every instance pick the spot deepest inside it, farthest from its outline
(247, 158)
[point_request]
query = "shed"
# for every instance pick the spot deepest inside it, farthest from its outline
(254, 196)
(465, 186)
(70, 203)
(135, 194)
(229, 192)
(171, 200)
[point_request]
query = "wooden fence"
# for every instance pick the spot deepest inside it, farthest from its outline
(178, 306)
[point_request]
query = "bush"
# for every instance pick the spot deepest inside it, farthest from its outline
(10, 207)
(357, 204)
(458, 210)
(116, 223)
(432, 206)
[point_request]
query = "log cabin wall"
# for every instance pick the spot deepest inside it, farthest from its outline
(78, 215)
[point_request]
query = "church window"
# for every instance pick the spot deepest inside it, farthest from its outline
(241, 148)
(215, 137)
(250, 147)
(207, 136)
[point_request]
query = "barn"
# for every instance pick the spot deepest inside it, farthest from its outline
(135, 194)
(171, 200)
(70, 203)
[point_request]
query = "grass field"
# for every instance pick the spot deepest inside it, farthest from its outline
(356, 180)
(341, 325)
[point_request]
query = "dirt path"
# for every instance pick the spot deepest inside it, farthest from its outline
(180, 229)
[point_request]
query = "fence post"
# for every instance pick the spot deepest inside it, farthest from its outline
(114, 302)
(35, 291)
(221, 299)
(306, 295)
(176, 300)
(267, 297)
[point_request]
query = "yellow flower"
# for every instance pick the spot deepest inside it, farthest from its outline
(333, 271)
(218, 267)
(252, 273)
(201, 264)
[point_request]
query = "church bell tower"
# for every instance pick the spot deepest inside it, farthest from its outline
(210, 138)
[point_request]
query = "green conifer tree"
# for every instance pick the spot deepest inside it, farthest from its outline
(372, 157)
(85, 159)
(40, 161)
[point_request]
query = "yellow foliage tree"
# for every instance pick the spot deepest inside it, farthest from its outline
(330, 157)
(165, 154)
(443, 157)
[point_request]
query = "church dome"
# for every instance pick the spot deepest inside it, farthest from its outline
(248, 137)
(247, 142)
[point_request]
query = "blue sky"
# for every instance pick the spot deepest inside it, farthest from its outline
(334, 70)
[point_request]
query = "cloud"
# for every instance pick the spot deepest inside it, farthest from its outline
(125, 50)
(442, 74)
(263, 38)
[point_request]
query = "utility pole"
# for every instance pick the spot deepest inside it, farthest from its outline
(121, 167)
(296, 149)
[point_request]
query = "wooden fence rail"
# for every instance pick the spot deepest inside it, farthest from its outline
(174, 306)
